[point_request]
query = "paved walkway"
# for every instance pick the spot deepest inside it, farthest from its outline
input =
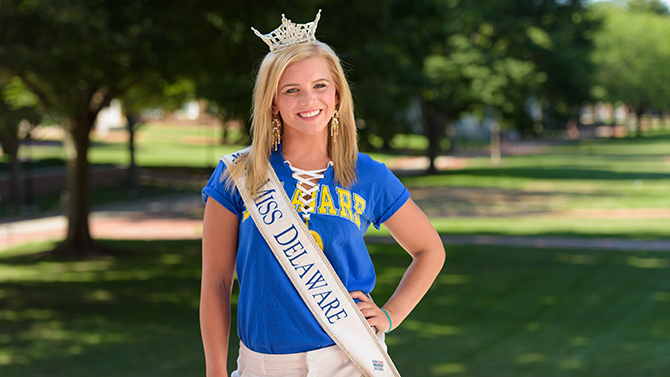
(179, 216)
(169, 217)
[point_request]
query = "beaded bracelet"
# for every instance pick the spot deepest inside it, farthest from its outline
(389, 318)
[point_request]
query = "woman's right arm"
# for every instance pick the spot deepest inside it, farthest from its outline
(219, 251)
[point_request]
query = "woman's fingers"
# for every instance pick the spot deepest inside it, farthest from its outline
(375, 316)
(360, 296)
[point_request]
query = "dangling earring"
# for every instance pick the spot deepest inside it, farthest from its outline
(335, 125)
(276, 131)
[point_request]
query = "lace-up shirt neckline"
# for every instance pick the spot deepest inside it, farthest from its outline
(308, 185)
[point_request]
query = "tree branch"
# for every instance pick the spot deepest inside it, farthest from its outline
(111, 94)
(33, 88)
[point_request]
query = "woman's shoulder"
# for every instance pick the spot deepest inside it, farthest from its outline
(367, 163)
(235, 155)
(372, 172)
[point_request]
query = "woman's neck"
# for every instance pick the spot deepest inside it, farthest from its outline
(307, 152)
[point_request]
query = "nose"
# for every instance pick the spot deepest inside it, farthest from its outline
(307, 98)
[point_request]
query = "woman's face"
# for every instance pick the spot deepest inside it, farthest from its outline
(307, 97)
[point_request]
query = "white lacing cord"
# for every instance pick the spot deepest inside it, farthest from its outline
(307, 178)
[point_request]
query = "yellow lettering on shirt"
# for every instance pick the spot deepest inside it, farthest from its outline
(345, 204)
(359, 209)
(327, 206)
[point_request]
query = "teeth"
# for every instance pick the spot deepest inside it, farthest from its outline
(309, 114)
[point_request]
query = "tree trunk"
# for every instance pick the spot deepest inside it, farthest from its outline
(226, 138)
(495, 143)
(76, 143)
(10, 146)
(434, 122)
(639, 111)
(386, 143)
(132, 172)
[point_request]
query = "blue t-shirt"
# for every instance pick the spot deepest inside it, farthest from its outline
(272, 318)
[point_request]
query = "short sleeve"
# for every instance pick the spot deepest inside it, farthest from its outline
(390, 194)
(217, 190)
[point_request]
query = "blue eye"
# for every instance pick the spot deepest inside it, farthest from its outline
(292, 90)
(319, 86)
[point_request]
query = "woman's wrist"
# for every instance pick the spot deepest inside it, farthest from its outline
(388, 316)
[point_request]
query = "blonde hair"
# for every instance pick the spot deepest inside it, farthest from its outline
(343, 152)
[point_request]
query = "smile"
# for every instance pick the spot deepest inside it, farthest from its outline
(309, 114)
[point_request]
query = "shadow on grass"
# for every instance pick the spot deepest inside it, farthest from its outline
(500, 311)
(35, 164)
(131, 315)
(492, 311)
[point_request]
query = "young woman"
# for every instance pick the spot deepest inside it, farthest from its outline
(303, 125)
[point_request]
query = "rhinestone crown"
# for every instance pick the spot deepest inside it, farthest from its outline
(290, 34)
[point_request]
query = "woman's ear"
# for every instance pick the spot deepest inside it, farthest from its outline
(275, 111)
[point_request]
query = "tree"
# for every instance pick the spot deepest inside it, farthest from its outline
(632, 59)
(644, 6)
(385, 43)
(472, 78)
(226, 79)
(381, 43)
(17, 107)
(76, 56)
(156, 93)
(497, 54)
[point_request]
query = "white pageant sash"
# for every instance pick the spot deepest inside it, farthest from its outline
(312, 274)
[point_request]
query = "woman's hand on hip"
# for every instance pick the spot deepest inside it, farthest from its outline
(375, 316)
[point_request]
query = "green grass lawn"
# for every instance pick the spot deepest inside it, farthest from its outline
(156, 145)
(493, 311)
(534, 195)
(524, 195)
(641, 229)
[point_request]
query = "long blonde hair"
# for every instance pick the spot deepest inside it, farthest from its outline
(343, 152)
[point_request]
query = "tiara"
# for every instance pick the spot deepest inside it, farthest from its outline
(289, 34)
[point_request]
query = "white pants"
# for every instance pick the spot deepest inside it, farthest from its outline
(325, 362)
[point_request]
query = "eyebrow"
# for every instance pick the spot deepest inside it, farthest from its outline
(313, 82)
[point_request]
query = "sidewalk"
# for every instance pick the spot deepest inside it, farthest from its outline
(179, 216)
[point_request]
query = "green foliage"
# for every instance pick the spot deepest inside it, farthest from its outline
(158, 94)
(632, 59)
(499, 53)
(381, 43)
(17, 105)
(76, 56)
(492, 56)
(472, 77)
(645, 6)
(17, 95)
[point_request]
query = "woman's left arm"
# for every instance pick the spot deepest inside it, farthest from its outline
(410, 227)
